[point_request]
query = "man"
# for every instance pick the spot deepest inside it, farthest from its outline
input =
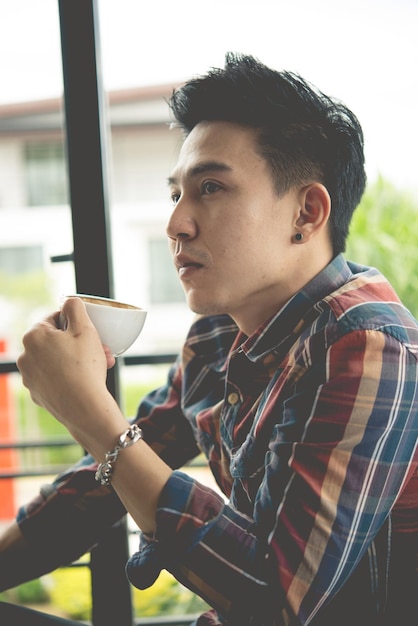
(298, 381)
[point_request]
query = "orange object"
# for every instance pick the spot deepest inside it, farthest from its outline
(8, 457)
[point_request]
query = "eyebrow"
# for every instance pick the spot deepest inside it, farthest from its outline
(202, 168)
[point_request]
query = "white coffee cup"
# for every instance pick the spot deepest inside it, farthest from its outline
(118, 324)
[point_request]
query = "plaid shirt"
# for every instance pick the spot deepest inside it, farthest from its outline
(310, 428)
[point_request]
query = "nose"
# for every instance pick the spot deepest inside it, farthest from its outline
(181, 224)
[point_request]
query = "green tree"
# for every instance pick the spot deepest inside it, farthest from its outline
(21, 295)
(384, 234)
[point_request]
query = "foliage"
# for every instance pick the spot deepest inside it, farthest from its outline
(70, 592)
(35, 422)
(24, 295)
(384, 234)
(67, 592)
(28, 289)
(31, 592)
(132, 392)
(166, 597)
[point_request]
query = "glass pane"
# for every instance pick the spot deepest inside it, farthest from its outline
(46, 182)
(35, 225)
(35, 218)
(20, 260)
(149, 45)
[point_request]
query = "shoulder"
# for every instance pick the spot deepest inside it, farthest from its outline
(368, 302)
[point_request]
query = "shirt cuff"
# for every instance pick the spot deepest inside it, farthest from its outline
(185, 511)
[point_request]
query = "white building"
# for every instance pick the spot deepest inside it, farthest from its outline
(35, 219)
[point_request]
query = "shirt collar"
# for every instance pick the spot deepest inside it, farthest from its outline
(296, 313)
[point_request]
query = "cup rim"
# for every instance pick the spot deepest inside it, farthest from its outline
(118, 304)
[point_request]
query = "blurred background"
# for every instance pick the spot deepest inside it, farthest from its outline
(364, 53)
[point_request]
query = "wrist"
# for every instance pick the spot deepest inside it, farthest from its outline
(105, 469)
(12, 538)
(98, 426)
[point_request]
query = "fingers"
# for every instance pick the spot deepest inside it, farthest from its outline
(110, 359)
(54, 363)
(61, 321)
(73, 316)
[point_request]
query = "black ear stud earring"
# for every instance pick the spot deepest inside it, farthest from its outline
(298, 237)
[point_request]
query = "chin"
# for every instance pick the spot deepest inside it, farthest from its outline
(205, 307)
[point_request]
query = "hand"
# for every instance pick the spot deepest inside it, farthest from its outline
(65, 370)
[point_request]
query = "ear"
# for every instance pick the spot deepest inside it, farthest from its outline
(314, 210)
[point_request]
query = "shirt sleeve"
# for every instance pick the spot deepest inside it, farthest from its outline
(82, 509)
(208, 546)
(337, 459)
(65, 520)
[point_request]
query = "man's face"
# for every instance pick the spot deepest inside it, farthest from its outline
(230, 233)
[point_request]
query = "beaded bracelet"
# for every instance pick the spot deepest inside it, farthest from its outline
(128, 438)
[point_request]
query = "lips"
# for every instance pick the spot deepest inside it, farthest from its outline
(186, 270)
(186, 265)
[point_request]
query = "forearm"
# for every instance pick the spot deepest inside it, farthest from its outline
(138, 474)
(139, 477)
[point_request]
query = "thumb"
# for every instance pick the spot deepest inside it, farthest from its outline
(73, 316)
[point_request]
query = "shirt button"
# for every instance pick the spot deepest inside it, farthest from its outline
(233, 398)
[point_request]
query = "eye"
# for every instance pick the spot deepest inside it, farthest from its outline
(209, 187)
(175, 197)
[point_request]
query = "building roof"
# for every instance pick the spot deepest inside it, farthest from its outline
(135, 106)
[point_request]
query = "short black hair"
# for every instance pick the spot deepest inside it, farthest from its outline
(305, 135)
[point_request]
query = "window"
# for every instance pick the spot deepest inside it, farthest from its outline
(21, 259)
(164, 285)
(46, 175)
